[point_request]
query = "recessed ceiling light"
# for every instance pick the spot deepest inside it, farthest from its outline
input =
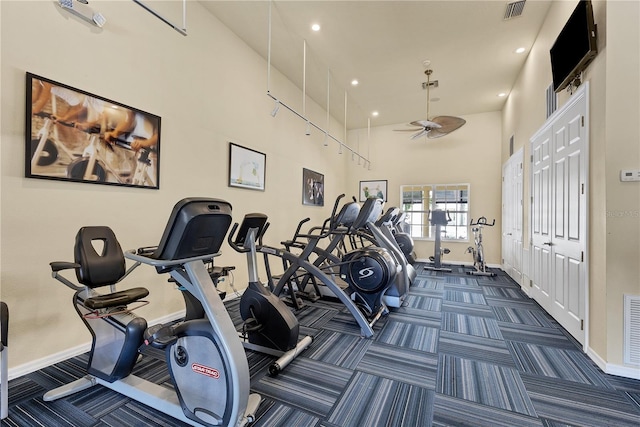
(354, 82)
(520, 50)
(502, 94)
(375, 114)
(315, 27)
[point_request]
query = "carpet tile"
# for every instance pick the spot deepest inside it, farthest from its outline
(556, 363)
(535, 335)
(484, 383)
(471, 325)
(476, 348)
(306, 384)
(409, 366)
(462, 351)
(409, 335)
(370, 400)
(477, 310)
(522, 317)
(276, 414)
(449, 412)
(568, 402)
(338, 349)
(464, 296)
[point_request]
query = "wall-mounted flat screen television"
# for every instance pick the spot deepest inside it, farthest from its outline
(575, 46)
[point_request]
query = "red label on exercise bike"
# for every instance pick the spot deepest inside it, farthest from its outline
(205, 370)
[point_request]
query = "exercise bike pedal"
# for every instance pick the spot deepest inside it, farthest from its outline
(160, 336)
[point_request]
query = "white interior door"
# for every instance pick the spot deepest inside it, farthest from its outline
(540, 216)
(569, 228)
(512, 216)
(559, 216)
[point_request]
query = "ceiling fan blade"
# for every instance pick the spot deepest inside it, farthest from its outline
(426, 124)
(420, 134)
(408, 130)
(448, 123)
(436, 134)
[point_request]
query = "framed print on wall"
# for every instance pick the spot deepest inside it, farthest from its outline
(373, 189)
(312, 188)
(73, 135)
(246, 167)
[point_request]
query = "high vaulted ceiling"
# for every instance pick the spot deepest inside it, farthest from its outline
(383, 44)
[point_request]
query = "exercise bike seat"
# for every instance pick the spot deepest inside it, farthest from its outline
(96, 269)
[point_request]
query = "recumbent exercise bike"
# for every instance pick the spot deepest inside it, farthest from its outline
(206, 360)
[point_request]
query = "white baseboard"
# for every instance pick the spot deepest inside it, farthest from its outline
(611, 369)
(34, 365)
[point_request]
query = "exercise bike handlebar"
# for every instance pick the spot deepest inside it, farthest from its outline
(483, 221)
(233, 244)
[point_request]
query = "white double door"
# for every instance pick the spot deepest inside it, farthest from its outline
(559, 214)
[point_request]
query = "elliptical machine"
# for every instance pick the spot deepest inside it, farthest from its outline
(206, 360)
(478, 251)
(439, 218)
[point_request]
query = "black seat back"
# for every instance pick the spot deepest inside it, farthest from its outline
(197, 226)
(347, 215)
(98, 269)
(369, 212)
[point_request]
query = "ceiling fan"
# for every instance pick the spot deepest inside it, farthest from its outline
(436, 126)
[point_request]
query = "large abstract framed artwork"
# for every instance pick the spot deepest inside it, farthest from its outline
(312, 188)
(376, 189)
(73, 135)
(246, 167)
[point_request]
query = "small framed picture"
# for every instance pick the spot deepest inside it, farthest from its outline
(376, 189)
(312, 188)
(246, 167)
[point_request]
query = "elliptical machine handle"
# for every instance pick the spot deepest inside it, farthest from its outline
(264, 230)
(332, 218)
(297, 234)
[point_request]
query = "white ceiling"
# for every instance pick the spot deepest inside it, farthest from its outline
(383, 44)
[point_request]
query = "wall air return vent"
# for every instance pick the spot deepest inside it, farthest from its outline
(632, 330)
(514, 9)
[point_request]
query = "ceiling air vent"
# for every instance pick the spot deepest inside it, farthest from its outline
(514, 9)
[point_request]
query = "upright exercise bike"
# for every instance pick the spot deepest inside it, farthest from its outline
(438, 219)
(478, 251)
(206, 360)
(269, 325)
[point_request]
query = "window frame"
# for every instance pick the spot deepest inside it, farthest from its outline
(422, 229)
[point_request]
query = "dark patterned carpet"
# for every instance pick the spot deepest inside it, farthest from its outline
(464, 351)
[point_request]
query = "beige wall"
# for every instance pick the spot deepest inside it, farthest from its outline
(613, 232)
(469, 155)
(621, 151)
(209, 88)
